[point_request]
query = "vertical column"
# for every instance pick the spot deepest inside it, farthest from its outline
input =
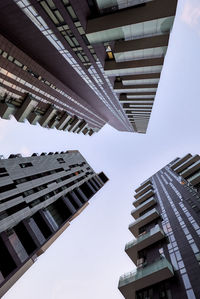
(97, 181)
(80, 192)
(90, 186)
(100, 180)
(50, 219)
(94, 184)
(34, 231)
(17, 246)
(68, 204)
(75, 197)
(10, 248)
(30, 231)
(41, 213)
(1, 277)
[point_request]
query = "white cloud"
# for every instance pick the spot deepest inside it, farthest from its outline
(191, 14)
(25, 151)
(3, 129)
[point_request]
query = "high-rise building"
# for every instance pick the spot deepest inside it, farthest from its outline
(76, 65)
(166, 250)
(39, 197)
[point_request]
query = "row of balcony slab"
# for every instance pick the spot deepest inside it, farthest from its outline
(188, 168)
(144, 277)
(143, 206)
(144, 240)
(148, 217)
(143, 197)
(48, 119)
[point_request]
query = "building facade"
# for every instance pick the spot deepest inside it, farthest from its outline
(39, 197)
(166, 250)
(135, 35)
(83, 63)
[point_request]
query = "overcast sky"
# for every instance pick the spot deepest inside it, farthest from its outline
(88, 258)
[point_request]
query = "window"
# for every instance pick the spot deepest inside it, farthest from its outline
(61, 160)
(3, 215)
(18, 63)
(72, 13)
(194, 248)
(5, 54)
(49, 12)
(4, 174)
(16, 208)
(24, 165)
(164, 293)
(2, 170)
(51, 4)
(7, 188)
(20, 181)
(145, 294)
(10, 58)
(28, 192)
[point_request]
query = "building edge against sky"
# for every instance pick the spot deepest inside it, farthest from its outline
(166, 250)
(85, 63)
(40, 196)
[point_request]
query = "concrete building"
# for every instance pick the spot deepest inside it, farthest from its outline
(76, 65)
(166, 250)
(135, 35)
(39, 197)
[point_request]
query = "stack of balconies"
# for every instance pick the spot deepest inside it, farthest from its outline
(188, 168)
(50, 117)
(147, 234)
(136, 41)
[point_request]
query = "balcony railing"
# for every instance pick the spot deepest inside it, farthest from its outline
(182, 167)
(143, 220)
(142, 207)
(143, 197)
(180, 161)
(143, 185)
(144, 240)
(194, 179)
(143, 190)
(144, 277)
(190, 170)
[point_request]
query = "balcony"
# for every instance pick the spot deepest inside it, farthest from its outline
(23, 112)
(187, 163)
(141, 208)
(49, 114)
(144, 240)
(143, 185)
(143, 197)
(6, 109)
(143, 190)
(194, 179)
(191, 170)
(180, 161)
(143, 220)
(144, 277)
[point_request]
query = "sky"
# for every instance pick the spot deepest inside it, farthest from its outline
(85, 262)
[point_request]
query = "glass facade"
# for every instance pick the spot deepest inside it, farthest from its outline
(102, 4)
(129, 96)
(134, 31)
(141, 54)
(140, 81)
(136, 90)
(134, 71)
(157, 266)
